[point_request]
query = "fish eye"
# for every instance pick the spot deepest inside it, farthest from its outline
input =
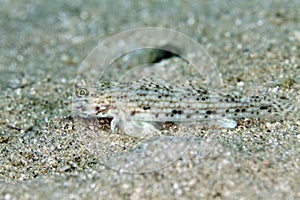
(82, 92)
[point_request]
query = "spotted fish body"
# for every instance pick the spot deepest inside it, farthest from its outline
(135, 106)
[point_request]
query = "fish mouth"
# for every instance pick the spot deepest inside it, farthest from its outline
(80, 107)
(79, 101)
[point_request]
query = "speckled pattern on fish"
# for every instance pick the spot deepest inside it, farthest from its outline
(136, 106)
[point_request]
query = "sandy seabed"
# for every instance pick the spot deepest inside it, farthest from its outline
(47, 153)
